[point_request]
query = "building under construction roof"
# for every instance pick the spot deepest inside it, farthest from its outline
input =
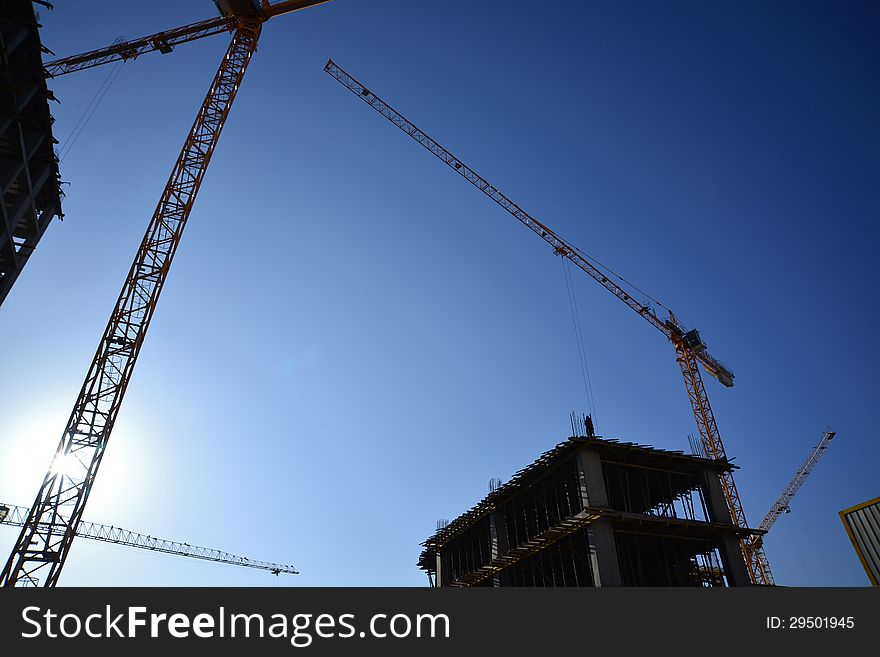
(29, 179)
(595, 512)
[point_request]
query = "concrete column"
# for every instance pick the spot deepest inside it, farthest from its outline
(603, 553)
(439, 578)
(603, 549)
(591, 479)
(731, 553)
(497, 540)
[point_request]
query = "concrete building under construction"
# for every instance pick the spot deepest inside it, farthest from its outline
(29, 179)
(595, 512)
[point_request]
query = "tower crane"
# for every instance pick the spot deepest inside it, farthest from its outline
(690, 350)
(780, 506)
(16, 516)
(51, 524)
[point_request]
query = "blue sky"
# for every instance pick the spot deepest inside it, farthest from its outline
(353, 341)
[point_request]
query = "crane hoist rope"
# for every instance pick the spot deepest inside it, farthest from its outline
(89, 111)
(579, 339)
(691, 351)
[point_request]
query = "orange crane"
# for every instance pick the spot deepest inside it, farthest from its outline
(690, 350)
(48, 531)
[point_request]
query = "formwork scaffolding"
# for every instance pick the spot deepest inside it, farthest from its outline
(596, 512)
(30, 194)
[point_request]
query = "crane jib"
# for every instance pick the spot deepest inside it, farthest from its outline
(669, 328)
(16, 516)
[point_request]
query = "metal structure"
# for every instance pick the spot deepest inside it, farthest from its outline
(165, 41)
(16, 516)
(862, 524)
(48, 531)
(780, 506)
(125, 50)
(689, 348)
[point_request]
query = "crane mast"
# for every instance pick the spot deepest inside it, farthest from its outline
(16, 516)
(51, 524)
(689, 348)
(48, 532)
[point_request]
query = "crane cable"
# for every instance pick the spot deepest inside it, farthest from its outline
(613, 274)
(800, 554)
(89, 111)
(579, 338)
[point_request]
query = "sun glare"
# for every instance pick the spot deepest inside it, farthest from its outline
(26, 447)
(66, 464)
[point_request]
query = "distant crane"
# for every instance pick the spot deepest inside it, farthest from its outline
(48, 531)
(780, 506)
(16, 516)
(690, 350)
